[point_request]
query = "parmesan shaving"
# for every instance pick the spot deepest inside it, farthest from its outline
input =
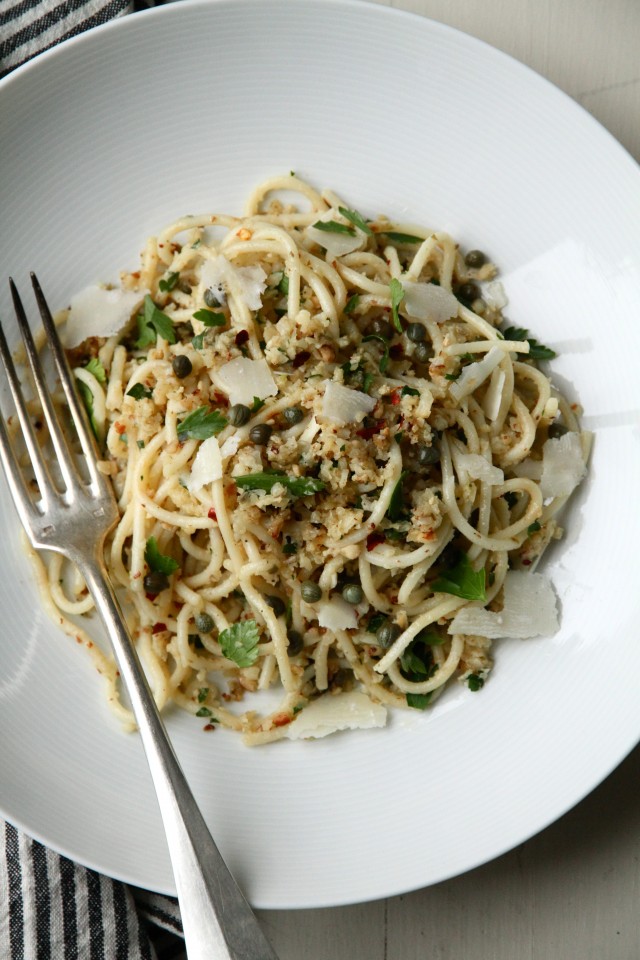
(334, 712)
(336, 244)
(427, 301)
(563, 466)
(336, 614)
(343, 405)
(529, 610)
(99, 312)
(475, 373)
(243, 379)
(247, 284)
(207, 466)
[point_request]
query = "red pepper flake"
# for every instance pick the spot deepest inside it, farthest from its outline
(241, 337)
(119, 428)
(209, 726)
(282, 719)
(300, 358)
(526, 562)
(158, 628)
(221, 399)
(396, 352)
(375, 539)
(367, 432)
(395, 397)
(212, 514)
(151, 596)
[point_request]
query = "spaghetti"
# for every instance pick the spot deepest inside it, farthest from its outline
(326, 449)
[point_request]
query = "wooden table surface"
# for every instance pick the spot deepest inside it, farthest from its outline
(573, 891)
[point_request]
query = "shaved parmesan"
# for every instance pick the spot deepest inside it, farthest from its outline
(243, 379)
(336, 244)
(475, 467)
(529, 610)
(494, 295)
(337, 614)
(343, 405)
(333, 712)
(246, 284)
(563, 465)
(427, 301)
(230, 446)
(531, 469)
(475, 373)
(98, 312)
(207, 466)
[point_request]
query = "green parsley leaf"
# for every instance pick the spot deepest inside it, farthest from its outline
(203, 693)
(534, 527)
(397, 296)
(414, 666)
(419, 701)
(87, 399)
(332, 226)
(474, 682)
(401, 237)
(392, 533)
(239, 642)
(515, 333)
(203, 712)
(452, 376)
(356, 220)
(367, 381)
(138, 391)
(384, 359)
(351, 304)
(375, 622)
(283, 285)
(140, 444)
(537, 351)
(395, 510)
(201, 424)
(462, 581)
(168, 282)
(297, 486)
(410, 392)
(257, 404)
(289, 548)
(95, 367)
(157, 561)
(152, 324)
(198, 341)
(210, 318)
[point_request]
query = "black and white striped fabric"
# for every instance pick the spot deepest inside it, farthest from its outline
(50, 907)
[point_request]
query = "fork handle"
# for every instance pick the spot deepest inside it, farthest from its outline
(218, 922)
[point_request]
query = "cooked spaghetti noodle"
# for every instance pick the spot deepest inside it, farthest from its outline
(325, 446)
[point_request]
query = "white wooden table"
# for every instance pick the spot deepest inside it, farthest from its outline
(572, 892)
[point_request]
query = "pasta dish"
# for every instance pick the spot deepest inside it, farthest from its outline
(336, 462)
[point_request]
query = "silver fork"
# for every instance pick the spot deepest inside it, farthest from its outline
(217, 920)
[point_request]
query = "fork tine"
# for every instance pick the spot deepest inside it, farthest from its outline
(55, 431)
(15, 477)
(67, 380)
(28, 433)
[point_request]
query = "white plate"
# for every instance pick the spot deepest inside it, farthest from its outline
(111, 136)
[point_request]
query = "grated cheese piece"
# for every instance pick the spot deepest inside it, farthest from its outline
(427, 301)
(207, 465)
(563, 466)
(475, 373)
(344, 405)
(336, 244)
(529, 610)
(337, 614)
(495, 296)
(243, 379)
(98, 312)
(246, 283)
(475, 466)
(334, 712)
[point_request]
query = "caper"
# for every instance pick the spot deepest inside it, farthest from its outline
(310, 592)
(204, 623)
(155, 582)
(293, 415)
(277, 604)
(260, 434)
(181, 365)
(296, 643)
(557, 430)
(467, 292)
(210, 298)
(352, 593)
(427, 454)
(184, 287)
(387, 633)
(381, 328)
(475, 258)
(416, 332)
(238, 415)
(422, 352)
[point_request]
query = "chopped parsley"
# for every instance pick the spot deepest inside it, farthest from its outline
(475, 682)
(203, 693)
(210, 318)
(534, 527)
(296, 486)
(159, 562)
(201, 424)
(384, 359)
(419, 701)
(239, 642)
(354, 217)
(139, 392)
(462, 581)
(168, 282)
(95, 367)
(257, 404)
(87, 399)
(537, 351)
(397, 296)
(351, 304)
(401, 237)
(396, 508)
(410, 392)
(290, 547)
(332, 226)
(153, 323)
(203, 712)
(198, 341)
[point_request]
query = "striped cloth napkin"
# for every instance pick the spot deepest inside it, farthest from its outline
(50, 907)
